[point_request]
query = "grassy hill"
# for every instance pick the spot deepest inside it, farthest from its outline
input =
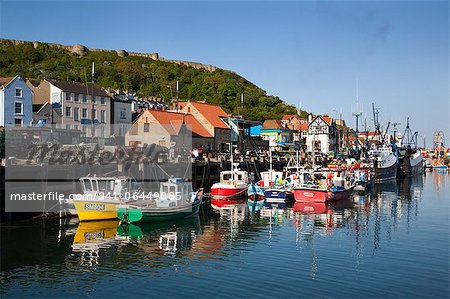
(143, 75)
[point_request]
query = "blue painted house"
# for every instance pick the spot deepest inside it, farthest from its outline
(16, 102)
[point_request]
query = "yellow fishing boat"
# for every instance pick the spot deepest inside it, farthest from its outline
(101, 195)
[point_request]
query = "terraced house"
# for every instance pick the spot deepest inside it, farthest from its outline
(15, 102)
(76, 105)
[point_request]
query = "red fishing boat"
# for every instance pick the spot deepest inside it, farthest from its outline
(325, 186)
(233, 184)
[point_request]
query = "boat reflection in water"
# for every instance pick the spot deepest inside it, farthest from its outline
(386, 232)
(91, 237)
(232, 213)
(162, 238)
(322, 216)
(276, 213)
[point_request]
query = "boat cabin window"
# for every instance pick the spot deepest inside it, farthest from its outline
(94, 184)
(125, 184)
(105, 185)
(86, 184)
(228, 177)
(172, 191)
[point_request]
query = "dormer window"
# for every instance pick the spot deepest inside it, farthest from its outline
(18, 92)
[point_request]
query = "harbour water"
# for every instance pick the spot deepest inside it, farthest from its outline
(392, 242)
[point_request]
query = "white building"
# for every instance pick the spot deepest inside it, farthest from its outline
(321, 137)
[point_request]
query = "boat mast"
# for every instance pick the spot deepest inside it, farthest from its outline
(270, 158)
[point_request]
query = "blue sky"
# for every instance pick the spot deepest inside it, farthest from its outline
(308, 52)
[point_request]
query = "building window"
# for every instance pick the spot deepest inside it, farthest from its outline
(189, 109)
(76, 98)
(67, 96)
(17, 122)
(18, 92)
(102, 100)
(68, 111)
(75, 114)
(93, 99)
(84, 113)
(123, 113)
(146, 127)
(84, 99)
(102, 116)
(18, 108)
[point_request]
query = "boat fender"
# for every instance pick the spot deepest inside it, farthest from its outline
(329, 180)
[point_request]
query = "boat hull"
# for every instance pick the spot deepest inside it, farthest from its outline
(95, 210)
(411, 165)
(363, 185)
(386, 173)
(275, 194)
(303, 194)
(159, 215)
(228, 192)
(255, 192)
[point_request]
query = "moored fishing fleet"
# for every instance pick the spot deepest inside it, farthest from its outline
(370, 162)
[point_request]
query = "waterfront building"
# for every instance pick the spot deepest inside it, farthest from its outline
(121, 115)
(81, 107)
(162, 127)
(16, 102)
(274, 131)
(213, 118)
(322, 135)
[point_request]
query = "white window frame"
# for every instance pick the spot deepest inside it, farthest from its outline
(82, 113)
(70, 112)
(21, 93)
(21, 121)
(21, 108)
(103, 116)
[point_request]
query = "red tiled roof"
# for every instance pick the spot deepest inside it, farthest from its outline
(304, 127)
(272, 124)
(175, 119)
(5, 81)
(288, 116)
(327, 119)
(212, 113)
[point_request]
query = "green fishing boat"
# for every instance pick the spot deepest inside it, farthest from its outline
(176, 200)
